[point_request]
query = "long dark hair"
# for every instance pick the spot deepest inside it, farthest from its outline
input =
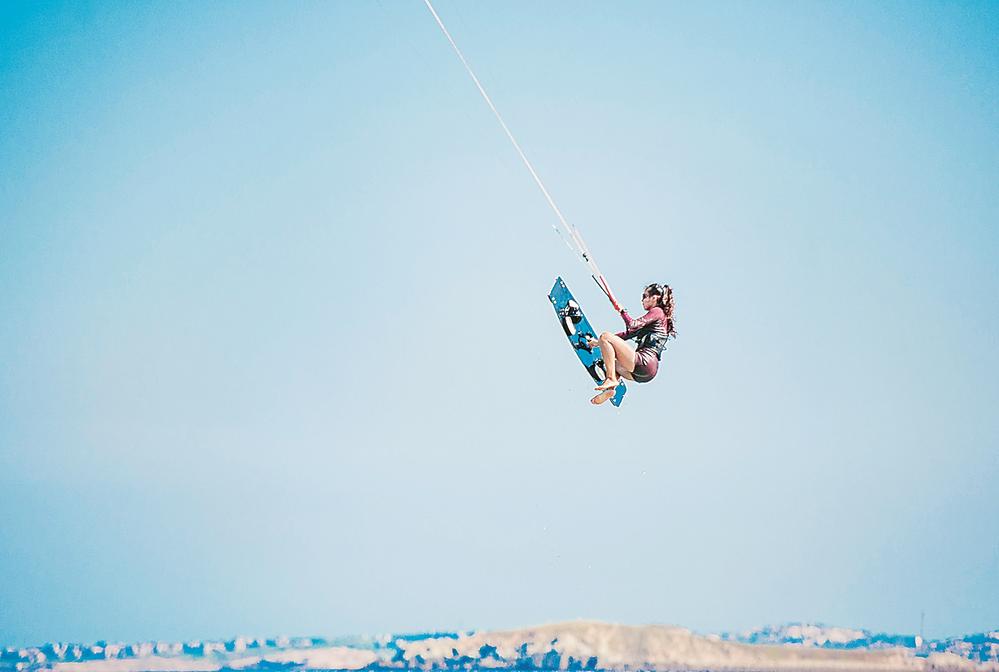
(664, 295)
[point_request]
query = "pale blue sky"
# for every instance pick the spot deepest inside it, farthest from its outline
(278, 357)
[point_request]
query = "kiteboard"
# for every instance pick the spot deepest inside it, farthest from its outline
(578, 330)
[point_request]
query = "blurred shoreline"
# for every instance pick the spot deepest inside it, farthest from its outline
(579, 646)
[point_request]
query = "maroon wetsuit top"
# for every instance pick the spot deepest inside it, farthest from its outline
(651, 331)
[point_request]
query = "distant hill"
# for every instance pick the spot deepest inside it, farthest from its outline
(579, 646)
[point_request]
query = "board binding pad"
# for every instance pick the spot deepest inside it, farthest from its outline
(577, 329)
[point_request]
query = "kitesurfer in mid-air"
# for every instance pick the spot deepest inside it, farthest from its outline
(652, 331)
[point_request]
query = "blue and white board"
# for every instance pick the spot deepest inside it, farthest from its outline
(577, 328)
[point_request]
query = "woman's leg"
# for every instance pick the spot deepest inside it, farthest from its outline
(618, 358)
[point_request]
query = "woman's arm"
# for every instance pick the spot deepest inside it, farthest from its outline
(633, 326)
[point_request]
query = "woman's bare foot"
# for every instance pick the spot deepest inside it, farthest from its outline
(602, 397)
(606, 385)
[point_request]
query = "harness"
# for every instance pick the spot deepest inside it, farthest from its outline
(653, 341)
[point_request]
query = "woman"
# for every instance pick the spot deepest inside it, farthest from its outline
(652, 331)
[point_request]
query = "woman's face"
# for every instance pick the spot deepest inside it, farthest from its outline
(649, 300)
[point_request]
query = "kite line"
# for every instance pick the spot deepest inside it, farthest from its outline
(578, 245)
